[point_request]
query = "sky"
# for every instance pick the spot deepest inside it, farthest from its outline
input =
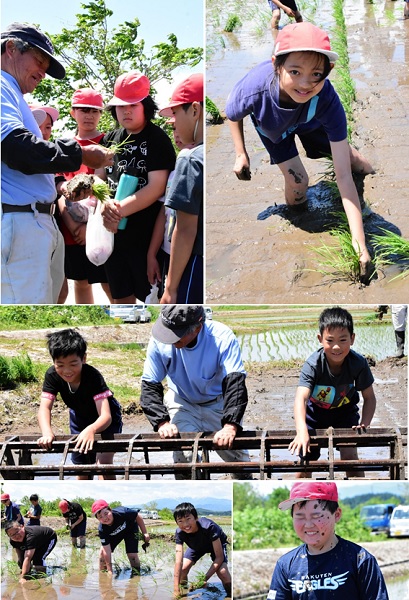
(158, 19)
(129, 493)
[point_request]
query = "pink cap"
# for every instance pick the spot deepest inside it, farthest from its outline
(63, 506)
(5, 496)
(303, 37)
(314, 490)
(87, 98)
(130, 88)
(53, 112)
(99, 505)
(189, 90)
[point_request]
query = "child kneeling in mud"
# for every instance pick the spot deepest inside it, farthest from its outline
(292, 95)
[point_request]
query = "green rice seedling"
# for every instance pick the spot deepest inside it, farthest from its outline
(391, 249)
(339, 262)
(232, 23)
(116, 147)
(199, 581)
(101, 191)
(213, 111)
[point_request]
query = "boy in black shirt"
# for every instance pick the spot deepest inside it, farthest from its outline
(202, 536)
(93, 408)
(32, 543)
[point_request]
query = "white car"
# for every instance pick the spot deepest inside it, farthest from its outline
(399, 523)
(130, 313)
(145, 514)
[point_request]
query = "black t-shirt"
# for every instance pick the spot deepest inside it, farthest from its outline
(146, 151)
(36, 536)
(82, 401)
(74, 512)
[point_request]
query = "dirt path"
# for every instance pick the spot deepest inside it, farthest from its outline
(255, 254)
(389, 555)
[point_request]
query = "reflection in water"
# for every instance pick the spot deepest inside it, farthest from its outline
(294, 343)
(74, 573)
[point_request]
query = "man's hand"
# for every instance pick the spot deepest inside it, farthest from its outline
(225, 437)
(167, 430)
(97, 157)
(46, 441)
(300, 444)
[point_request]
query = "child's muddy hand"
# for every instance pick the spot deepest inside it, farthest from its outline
(367, 268)
(242, 167)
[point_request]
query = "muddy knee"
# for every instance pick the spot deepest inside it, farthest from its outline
(296, 185)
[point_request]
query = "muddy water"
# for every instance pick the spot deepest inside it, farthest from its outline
(74, 573)
(256, 251)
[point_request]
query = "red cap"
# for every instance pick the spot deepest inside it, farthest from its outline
(189, 90)
(99, 505)
(130, 88)
(303, 37)
(63, 506)
(5, 496)
(87, 98)
(314, 490)
(53, 112)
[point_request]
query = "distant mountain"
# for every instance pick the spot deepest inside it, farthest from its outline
(202, 504)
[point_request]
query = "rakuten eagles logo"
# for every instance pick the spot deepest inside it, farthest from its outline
(320, 583)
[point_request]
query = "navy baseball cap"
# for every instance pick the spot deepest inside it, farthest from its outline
(38, 39)
(175, 321)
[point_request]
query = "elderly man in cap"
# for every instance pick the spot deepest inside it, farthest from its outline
(32, 254)
(206, 379)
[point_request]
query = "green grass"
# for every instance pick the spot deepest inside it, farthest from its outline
(340, 261)
(41, 317)
(16, 370)
(213, 111)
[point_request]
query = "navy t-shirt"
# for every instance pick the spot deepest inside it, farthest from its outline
(347, 571)
(12, 511)
(202, 540)
(333, 393)
(36, 511)
(124, 524)
(83, 410)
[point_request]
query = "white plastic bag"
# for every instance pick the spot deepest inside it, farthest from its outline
(99, 242)
(152, 297)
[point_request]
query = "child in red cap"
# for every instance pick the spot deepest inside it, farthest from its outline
(11, 509)
(115, 525)
(292, 95)
(325, 565)
(86, 110)
(184, 282)
(147, 153)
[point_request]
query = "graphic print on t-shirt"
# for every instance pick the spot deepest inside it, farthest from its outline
(329, 397)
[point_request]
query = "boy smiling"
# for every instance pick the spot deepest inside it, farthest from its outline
(329, 386)
(325, 566)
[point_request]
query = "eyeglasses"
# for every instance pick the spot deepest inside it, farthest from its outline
(12, 533)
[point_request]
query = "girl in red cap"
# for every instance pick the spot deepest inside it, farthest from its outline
(86, 110)
(292, 96)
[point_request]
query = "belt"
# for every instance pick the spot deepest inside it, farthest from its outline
(47, 209)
